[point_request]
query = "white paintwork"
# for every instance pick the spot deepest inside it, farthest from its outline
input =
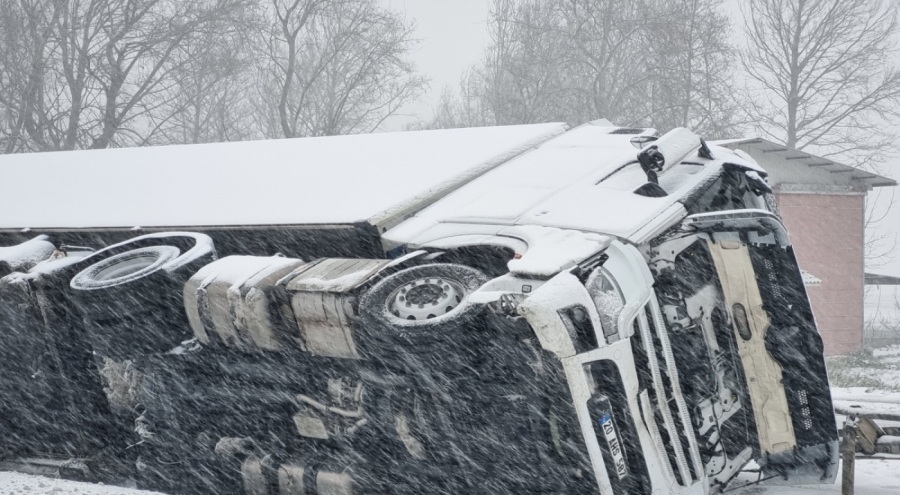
(581, 180)
(580, 386)
(540, 251)
(551, 250)
(540, 309)
(677, 145)
(504, 285)
(453, 242)
(379, 178)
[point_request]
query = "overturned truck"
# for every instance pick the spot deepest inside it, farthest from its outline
(526, 309)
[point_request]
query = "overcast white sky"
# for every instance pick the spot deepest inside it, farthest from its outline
(452, 34)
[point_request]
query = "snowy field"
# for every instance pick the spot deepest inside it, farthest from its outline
(26, 484)
(878, 369)
(873, 477)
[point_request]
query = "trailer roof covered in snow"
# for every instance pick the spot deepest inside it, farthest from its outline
(327, 180)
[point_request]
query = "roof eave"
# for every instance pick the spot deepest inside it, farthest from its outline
(869, 180)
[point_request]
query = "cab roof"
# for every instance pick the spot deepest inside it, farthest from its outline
(582, 180)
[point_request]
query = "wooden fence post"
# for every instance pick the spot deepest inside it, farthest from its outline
(849, 455)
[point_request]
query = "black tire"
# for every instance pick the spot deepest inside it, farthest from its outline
(130, 296)
(451, 320)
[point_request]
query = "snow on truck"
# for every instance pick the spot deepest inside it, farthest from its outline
(523, 309)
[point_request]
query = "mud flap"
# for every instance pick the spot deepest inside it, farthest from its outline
(750, 322)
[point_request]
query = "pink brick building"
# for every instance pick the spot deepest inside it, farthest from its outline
(823, 205)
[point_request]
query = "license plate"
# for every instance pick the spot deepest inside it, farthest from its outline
(615, 447)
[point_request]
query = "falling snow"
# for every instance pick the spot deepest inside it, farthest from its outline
(614, 342)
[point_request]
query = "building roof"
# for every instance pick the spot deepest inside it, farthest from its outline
(876, 279)
(324, 180)
(766, 152)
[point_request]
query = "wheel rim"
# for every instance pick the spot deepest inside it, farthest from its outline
(425, 298)
(124, 267)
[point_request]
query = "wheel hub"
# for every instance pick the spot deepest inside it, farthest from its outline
(425, 298)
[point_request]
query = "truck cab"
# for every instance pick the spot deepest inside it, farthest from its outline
(679, 317)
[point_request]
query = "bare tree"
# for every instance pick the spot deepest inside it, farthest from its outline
(603, 41)
(881, 237)
(523, 72)
(687, 52)
(658, 63)
(465, 108)
(520, 78)
(96, 73)
(821, 74)
(26, 29)
(208, 101)
(141, 44)
(569, 60)
(335, 67)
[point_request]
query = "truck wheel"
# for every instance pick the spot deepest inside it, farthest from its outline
(131, 301)
(124, 267)
(421, 306)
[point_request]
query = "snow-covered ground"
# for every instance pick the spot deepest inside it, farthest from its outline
(26, 484)
(889, 353)
(861, 400)
(875, 370)
(873, 477)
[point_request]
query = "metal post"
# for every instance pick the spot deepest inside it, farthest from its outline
(849, 455)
